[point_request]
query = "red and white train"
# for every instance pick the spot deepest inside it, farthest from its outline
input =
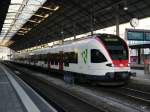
(100, 57)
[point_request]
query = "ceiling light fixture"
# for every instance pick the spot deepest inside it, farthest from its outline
(19, 12)
(19, 33)
(51, 9)
(125, 6)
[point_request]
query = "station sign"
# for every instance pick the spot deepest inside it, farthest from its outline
(138, 34)
(147, 36)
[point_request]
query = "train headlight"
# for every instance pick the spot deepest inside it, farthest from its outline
(129, 64)
(121, 65)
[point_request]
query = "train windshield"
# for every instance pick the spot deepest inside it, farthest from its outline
(116, 47)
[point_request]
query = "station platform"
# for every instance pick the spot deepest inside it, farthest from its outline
(137, 66)
(141, 76)
(17, 96)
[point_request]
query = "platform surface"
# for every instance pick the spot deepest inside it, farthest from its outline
(141, 77)
(9, 101)
(16, 96)
(141, 74)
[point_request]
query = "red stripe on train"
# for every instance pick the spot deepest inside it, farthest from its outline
(120, 63)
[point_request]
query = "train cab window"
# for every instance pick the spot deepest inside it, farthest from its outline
(115, 46)
(97, 56)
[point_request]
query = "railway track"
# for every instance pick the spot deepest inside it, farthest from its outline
(137, 96)
(143, 87)
(62, 100)
(139, 91)
(141, 99)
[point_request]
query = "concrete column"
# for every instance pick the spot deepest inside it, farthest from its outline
(74, 31)
(117, 20)
(139, 55)
(92, 16)
(62, 36)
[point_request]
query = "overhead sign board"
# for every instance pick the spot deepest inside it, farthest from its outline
(147, 36)
(138, 34)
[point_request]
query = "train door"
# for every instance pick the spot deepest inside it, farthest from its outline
(61, 60)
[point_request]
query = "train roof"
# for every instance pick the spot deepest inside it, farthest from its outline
(71, 43)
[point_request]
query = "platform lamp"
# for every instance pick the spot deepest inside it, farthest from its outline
(125, 6)
(62, 36)
(74, 30)
(92, 13)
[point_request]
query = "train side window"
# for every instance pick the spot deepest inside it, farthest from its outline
(97, 56)
(45, 58)
(52, 59)
(70, 57)
(41, 57)
(56, 58)
(38, 58)
(73, 57)
(66, 59)
(35, 58)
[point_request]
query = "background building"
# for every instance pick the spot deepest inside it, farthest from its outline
(5, 53)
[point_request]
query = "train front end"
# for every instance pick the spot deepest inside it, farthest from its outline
(118, 53)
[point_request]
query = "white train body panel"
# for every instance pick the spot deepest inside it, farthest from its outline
(84, 65)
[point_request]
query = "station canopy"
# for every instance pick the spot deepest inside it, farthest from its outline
(28, 23)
